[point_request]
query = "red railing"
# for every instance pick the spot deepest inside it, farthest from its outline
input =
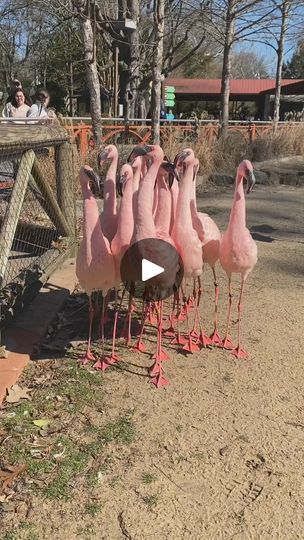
(119, 131)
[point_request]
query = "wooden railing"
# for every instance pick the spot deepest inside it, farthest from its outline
(138, 131)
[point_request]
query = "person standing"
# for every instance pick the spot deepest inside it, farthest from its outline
(18, 106)
(39, 109)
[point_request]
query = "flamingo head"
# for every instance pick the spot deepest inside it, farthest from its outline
(171, 170)
(126, 174)
(152, 151)
(183, 158)
(245, 172)
(109, 152)
(90, 178)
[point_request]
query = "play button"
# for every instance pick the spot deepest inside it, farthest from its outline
(149, 270)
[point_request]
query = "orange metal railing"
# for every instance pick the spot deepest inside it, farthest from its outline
(120, 131)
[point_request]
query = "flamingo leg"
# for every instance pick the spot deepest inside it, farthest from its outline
(114, 358)
(227, 344)
(204, 339)
(103, 362)
(238, 351)
(215, 337)
(157, 371)
(178, 339)
(140, 346)
(89, 355)
(189, 345)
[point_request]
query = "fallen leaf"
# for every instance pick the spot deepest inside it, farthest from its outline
(41, 423)
(8, 475)
(16, 393)
(3, 352)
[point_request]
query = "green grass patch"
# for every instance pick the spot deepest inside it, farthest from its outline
(122, 430)
(92, 508)
(151, 501)
(147, 478)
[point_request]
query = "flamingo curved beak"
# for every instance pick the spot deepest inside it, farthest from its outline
(181, 157)
(251, 180)
(95, 180)
(101, 156)
(120, 185)
(170, 168)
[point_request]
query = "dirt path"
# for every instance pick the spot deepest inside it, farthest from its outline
(218, 454)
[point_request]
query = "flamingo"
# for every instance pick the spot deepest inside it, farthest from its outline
(108, 216)
(210, 238)
(183, 233)
(95, 264)
(156, 251)
(125, 222)
(238, 251)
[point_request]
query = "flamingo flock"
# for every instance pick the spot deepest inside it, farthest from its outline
(158, 205)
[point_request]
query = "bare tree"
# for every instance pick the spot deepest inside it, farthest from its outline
(283, 8)
(158, 51)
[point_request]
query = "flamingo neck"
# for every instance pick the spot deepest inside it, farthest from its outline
(238, 210)
(109, 197)
(185, 194)
(126, 209)
(163, 212)
(145, 226)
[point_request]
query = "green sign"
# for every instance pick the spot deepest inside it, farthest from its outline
(169, 102)
(170, 89)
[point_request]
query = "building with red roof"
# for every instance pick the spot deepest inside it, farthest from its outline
(256, 94)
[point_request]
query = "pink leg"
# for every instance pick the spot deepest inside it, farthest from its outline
(89, 355)
(189, 346)
(204, 339)
(215, 337)
(238, 351)
(140, 346)
(170, 330)
(126, 331)
(178, 339)
(103, 362)
(227, 341)
(113, 359)
(157, 371)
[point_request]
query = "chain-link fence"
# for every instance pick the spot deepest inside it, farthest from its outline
(37, 209)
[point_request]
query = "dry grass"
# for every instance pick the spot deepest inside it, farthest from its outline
(220, 155)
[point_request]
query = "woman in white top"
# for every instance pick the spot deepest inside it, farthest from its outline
(39, 108)
(17, 107)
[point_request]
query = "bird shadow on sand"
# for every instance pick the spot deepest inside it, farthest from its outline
(261, 233)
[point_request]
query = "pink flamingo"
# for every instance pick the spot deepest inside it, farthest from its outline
(125, 223)
(108, 216)
(145, 229)
(95, 264)
(238, 251)
(183, 233)
(123, 236)
(210, 238)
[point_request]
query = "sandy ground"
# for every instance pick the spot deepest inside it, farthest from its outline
(219, 453)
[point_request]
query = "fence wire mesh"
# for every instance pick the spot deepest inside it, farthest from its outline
(37, 214)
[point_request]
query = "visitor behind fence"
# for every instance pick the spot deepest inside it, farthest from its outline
(17, 107)
(40, 107)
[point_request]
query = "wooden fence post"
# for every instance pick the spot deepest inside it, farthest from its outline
(13, 211)
(65, 184)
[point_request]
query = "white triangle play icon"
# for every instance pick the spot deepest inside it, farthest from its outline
(149, 270)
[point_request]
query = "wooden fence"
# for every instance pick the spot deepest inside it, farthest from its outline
(37, 210)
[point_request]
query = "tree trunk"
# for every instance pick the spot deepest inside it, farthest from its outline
(134, 63)
(158, 49)
(280, 52)
(92, 77)
(226, 71)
